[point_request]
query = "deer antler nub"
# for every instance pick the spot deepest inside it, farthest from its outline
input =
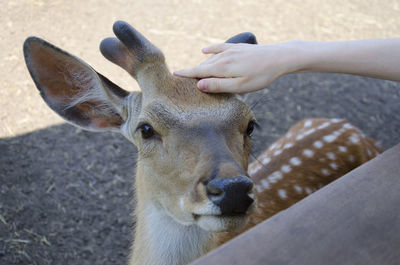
(131, 50)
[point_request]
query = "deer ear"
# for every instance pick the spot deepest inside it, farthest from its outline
(245, 37)
(73, 89)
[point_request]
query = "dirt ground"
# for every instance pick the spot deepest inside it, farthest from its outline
(65, 194)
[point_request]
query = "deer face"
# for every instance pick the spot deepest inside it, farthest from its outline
(193, 151)
(193, 147)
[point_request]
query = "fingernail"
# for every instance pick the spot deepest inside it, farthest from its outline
(177, 72)
(201, 85)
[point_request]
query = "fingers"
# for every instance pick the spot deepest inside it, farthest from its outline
(218, 85)
(206, 68)
(217, 48)
(200, 71)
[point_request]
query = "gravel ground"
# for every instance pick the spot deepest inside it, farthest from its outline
(65, 194)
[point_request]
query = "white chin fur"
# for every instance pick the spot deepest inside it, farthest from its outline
(214, 223)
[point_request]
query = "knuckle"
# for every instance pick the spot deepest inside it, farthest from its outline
(231, 51)
(223, 65)
(214, 84)
(225, 61)
(243, 82)
(201, 71)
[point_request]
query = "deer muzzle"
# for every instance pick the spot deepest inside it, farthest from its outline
(231, 195)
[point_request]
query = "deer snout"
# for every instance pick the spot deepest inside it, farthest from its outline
(231, 194)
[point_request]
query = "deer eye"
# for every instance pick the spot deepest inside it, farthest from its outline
(250, 128)
(146, 130)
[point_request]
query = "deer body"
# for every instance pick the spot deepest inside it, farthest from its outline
(313, 153)
(192, 187)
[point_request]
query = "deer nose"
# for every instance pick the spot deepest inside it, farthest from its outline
(231, 194)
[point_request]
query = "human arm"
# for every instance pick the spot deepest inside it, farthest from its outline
(240, 68)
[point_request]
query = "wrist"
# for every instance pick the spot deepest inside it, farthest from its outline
(293, 56)
(301, 56)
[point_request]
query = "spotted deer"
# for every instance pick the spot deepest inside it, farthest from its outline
(192, 189)
(313, 153)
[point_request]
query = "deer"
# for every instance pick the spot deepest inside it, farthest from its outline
(313, 153)
(193, 189)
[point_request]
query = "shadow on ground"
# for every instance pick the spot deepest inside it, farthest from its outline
(65, 194)
(65, 197)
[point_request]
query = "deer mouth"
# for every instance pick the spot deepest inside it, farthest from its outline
(239, 215)
(221, 223)
(212, 217)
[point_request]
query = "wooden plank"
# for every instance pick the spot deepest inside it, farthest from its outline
(354, 220)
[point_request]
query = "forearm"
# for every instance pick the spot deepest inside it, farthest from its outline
(374, 58)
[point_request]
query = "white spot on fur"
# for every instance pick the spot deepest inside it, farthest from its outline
(331, 156)
(336, 120)
(333, 166)
(354, 138)
(286, 168)
(323, 125)
(277, 152)
(272, 146)
(352, 158)
(265, 184)
(342, 148)
(329, 138)
(347, 126)
(259, 188)
(336, 134)
(295, 161)
(325, 172)
(288, 145)
(282, 194)
(308, 153)
(318, 144)
(306, 133)
(275, 176)
(298, 188)
(308, 123)
(308, 190)
(266, 160)
(312, 130)
(289, 134)
(255, 169)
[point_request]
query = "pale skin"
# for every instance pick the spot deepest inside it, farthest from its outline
(242, 68)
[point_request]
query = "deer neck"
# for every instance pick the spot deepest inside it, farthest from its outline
(160, 239)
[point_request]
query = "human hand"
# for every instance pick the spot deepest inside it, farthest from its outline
(241, 68)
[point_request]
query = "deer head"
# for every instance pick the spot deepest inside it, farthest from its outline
(193, 147)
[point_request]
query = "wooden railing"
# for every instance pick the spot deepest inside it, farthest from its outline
(354, 220)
